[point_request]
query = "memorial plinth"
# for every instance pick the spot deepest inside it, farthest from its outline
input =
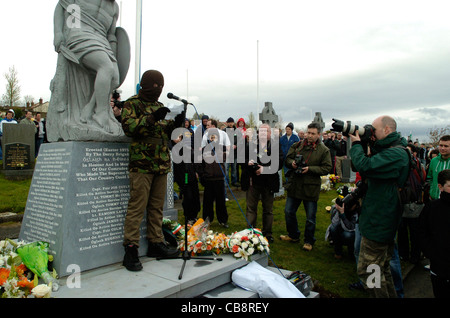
(78, 201)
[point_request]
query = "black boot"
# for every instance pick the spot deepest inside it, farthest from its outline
(161, 249)
(131, 258)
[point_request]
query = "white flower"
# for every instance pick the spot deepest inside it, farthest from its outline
(41, 291)
(255, 240)
(244, 245)
(3, 244)
(241, 254)
(250, 251)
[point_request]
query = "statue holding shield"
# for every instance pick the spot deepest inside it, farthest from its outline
(93, 60)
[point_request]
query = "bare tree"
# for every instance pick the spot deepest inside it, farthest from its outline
(436, 133)
(12, 95)
(28, 99)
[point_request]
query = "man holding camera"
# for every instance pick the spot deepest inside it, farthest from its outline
(260, 178)
(384, 170)
(308, 160)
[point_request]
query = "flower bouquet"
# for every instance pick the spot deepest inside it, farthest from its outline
(15, 276)
(326, 184)
(334, 179)
(245, 243)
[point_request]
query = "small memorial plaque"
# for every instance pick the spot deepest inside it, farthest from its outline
(17, 156)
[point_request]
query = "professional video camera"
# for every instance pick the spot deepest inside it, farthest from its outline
(300, 162)
(351, 198)
(115, 98)
(365, 133)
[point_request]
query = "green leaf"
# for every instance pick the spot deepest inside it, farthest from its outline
(36, 280)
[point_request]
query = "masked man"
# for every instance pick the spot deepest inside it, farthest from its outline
(143, 120)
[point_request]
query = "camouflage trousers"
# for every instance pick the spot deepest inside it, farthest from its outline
(374, 268)
(147, 194)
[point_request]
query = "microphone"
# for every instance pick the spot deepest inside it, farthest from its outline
(172, 96)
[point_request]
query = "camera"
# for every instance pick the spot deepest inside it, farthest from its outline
(351, 198)
(254, 167)
(300, 162)
(365, 133)
(115, 99)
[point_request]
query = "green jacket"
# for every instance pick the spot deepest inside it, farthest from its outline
(437, 164)
(318, 159)
(385, 170)
(149, 151)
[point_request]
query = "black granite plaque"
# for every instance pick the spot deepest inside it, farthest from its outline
(17, 156)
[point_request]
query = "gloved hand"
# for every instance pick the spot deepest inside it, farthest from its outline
(179, 120)
(161, 113)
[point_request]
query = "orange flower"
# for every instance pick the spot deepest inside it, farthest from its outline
(235, 248)
(25, 283)
(4, 274)
(20, 270)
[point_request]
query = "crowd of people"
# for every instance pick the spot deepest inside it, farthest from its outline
(251, 158)
(38, 123)
(371, 219)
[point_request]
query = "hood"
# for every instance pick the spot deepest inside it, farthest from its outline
(240, 119)
(393, 139)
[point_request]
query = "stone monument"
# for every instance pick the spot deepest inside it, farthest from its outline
(318, 119)
(269, 116)
(93, 60)
(18, 145)
(79, 193)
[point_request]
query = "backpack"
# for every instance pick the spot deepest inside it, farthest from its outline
(411, 194)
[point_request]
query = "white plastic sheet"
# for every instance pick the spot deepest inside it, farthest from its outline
(263, 281)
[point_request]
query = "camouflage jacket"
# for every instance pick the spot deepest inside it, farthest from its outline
(149, 151)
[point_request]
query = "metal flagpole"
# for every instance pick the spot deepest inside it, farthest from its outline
(257, 80)
(120, 12)
(137, 70)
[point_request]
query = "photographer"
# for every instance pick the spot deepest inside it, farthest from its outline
(261, 179)
(344, 217)
(308, 160)
(384, 170)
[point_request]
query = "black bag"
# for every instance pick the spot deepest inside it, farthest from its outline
(412, 193)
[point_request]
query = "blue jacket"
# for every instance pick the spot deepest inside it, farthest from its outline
(285, 144)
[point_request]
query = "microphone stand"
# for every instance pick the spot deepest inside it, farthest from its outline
(186, 256)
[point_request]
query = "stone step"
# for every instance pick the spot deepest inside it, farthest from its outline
(10, 217)
(157, 279)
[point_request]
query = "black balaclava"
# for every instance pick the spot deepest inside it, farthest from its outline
(147, 91)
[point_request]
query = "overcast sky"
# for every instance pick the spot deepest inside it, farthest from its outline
(352, 60)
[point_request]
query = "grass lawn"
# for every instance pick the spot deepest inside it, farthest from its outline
(327, 272)
(14, 194)
(331, 274)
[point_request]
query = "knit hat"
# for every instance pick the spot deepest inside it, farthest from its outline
(205, 117)
(290, 125)
(230, 120)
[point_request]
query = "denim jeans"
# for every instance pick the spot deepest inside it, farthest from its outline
(342, 237)
(231, 165)
(290, 214)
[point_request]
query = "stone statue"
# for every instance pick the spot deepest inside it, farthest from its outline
(93, 59)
